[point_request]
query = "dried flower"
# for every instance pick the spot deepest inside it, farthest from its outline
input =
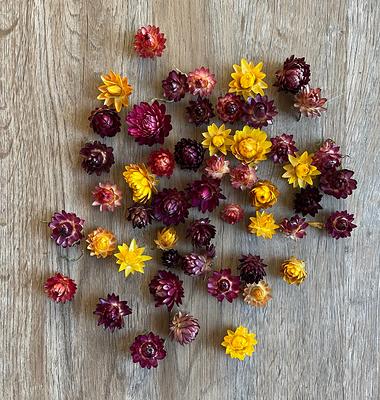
(131, 258)
(148, 123)
(194, 264)
(300, 171)
(170, 206)
(338, 183)
(247, 80)
(340, 224)
(232, 213)
(263, 225)
(252, 268)
(142, 183)
(309, 102)
(149, 42)
(257, 294)
(199, 111)
(327, 157)
(188, 154)
(183, 328)
(294, 227)
(201, 231)
(175, 86)
(229, 108)
(264, 194)
(217, 139)
(306, 201)
(140, 215)
(293, 271)
(148, 350)
(239, 343)
(243, 177)
(166, 289)
(97, 157)
(294, 75)
(66, 228)
(101, 243)
(282, 146)
(60, 288)
(107, 196)
(250, 145)
(259, 111)
(105, 121)
(201, 82)
(217, 167)
(111, 312)
(166, 238)
(115, 90)
(161, 162)
(171, 259)
(223, 285)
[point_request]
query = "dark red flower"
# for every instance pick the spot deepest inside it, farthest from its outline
(338, 183)
(259, 111)
(166, 289)
(282, 146)
(97, 158)
(161, 162)
(195, 264)
(66, 228)
(147, 350)
(60, 288)
(327, 157)
(140, 215)
(189, 154)
(170, 206)
(183, 328)
(200, 111)
(340, 224)
(149, 124)
(105, 121)
(111, 312)
(294, 227)
(252, 268)
(232, 214)
(149, 42)
(223, 285)
(229, 107)
(201, 231)
(175, 86)
(294, 75)
(171, 259)
(306, 201)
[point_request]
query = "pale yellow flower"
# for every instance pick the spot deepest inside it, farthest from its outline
(263, 225)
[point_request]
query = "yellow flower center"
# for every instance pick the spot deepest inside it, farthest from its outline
(247, 148)
(218, 141)
(258, 294)
(239, 342)
(293, 271)
(263, 194)
(115, 90)
(102, 243)
(247, 80)
(302, 170)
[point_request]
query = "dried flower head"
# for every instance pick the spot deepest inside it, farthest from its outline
(282, 146)
(252, 268)
(300, 172)
(166, 238)
(259, 111)
(105, 121)
(201, 231)
(223, 285)
(232, 213)
(257, 294)
(229, 108)
(140, 215)
(166, 289)
(293, 271)
(327, 157)
(161, 162)
(263, 225)
(294, 227)
(243, 177)
(217, 166)
(60, 288)
(309, 102)
(188, 154)
(107, 196)
(338, 183)
(201, 82)
(306, 201)
(66, 228)
(294, 75)
(148, 350)
(183, 328)
(264, 194)
(340, 224)
(101, 243)
(149, 42)
(141, 181)
(175, 86)
(200, 111)
(217, 139)
(97, 158)
(239, 343)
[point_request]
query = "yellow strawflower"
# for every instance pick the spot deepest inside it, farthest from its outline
(217, 139)
(264, 194)
(101, 243)
(250, 145)
(166, 238)
(300, 172)
(115, 90)
(247, 80)
(257, 294)
(263, 225)
(239, 343)
(141, 181)
(131, 258)
(293, 271)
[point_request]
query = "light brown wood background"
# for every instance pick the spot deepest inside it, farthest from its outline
(318, 341)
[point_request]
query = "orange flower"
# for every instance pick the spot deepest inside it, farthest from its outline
(101, 243)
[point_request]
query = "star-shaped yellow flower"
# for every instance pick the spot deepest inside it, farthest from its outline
(263, 225)
(131, 258)
(300, 172)
(239, 343)
(217, 139)
(141, 181)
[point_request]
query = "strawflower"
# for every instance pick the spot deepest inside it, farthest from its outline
(263, 225)
(300, 172)
(166, 238)
(293, 271)
(217, 139)
(101, 243)
(141, 181)
(264, 194)
(115, 90)
(239, 343)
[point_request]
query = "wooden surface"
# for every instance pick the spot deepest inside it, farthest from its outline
(318, 341)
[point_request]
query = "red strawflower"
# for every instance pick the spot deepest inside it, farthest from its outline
(111, 312)
(201, 82)
(223, 285)
(105, 121)
(340, 224)
(149, 124)
(60, 288)
(171, 258)
(327, 157)
(97, 157)
(200, 111)
(170, 206)
(252, 268)
(166, 289)
(175, 86)
(294, 227)
(149, 42)
(294, 75)
(161, 162)
(306, 201)
(107, 196)
(183, 328)
(338, 183)
(147, 350)
(232, 214)
(201, 231)
(243, 177)
(259, 111)
(189, 154)
(195, 264)
(66, 228)
(229, 107)
(309, 102)
(140, 215)
(217, 166)
(282, 146)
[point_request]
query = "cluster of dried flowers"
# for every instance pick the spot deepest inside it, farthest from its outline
(150, 124)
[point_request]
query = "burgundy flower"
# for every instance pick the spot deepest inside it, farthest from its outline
(338, 183)
(201, 82)
(252, 268)
(195, 264)
(201, 231)
(166, 289)
(259, 111)
(60, 288)
(282, 146)
(232, 214)
(340, 224)
(140, 215)
(148, 350)
(294, 227)
(149, 124)
(223, 285)
(309, 102)
(229, 108)
(183, 328)
(149, 42)
(294, 75)
(175, 86)
(243, 177)
(111, 312)
(306, 201)
(200, 111)
(97, 158)
(105, 121)
(66, 228)
(327, 157)
(161, 162)
(217, 166)
(205, 193)
(171, 258)
(189, 154)
(170, 206)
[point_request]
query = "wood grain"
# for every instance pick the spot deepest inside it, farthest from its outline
(319, 341)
